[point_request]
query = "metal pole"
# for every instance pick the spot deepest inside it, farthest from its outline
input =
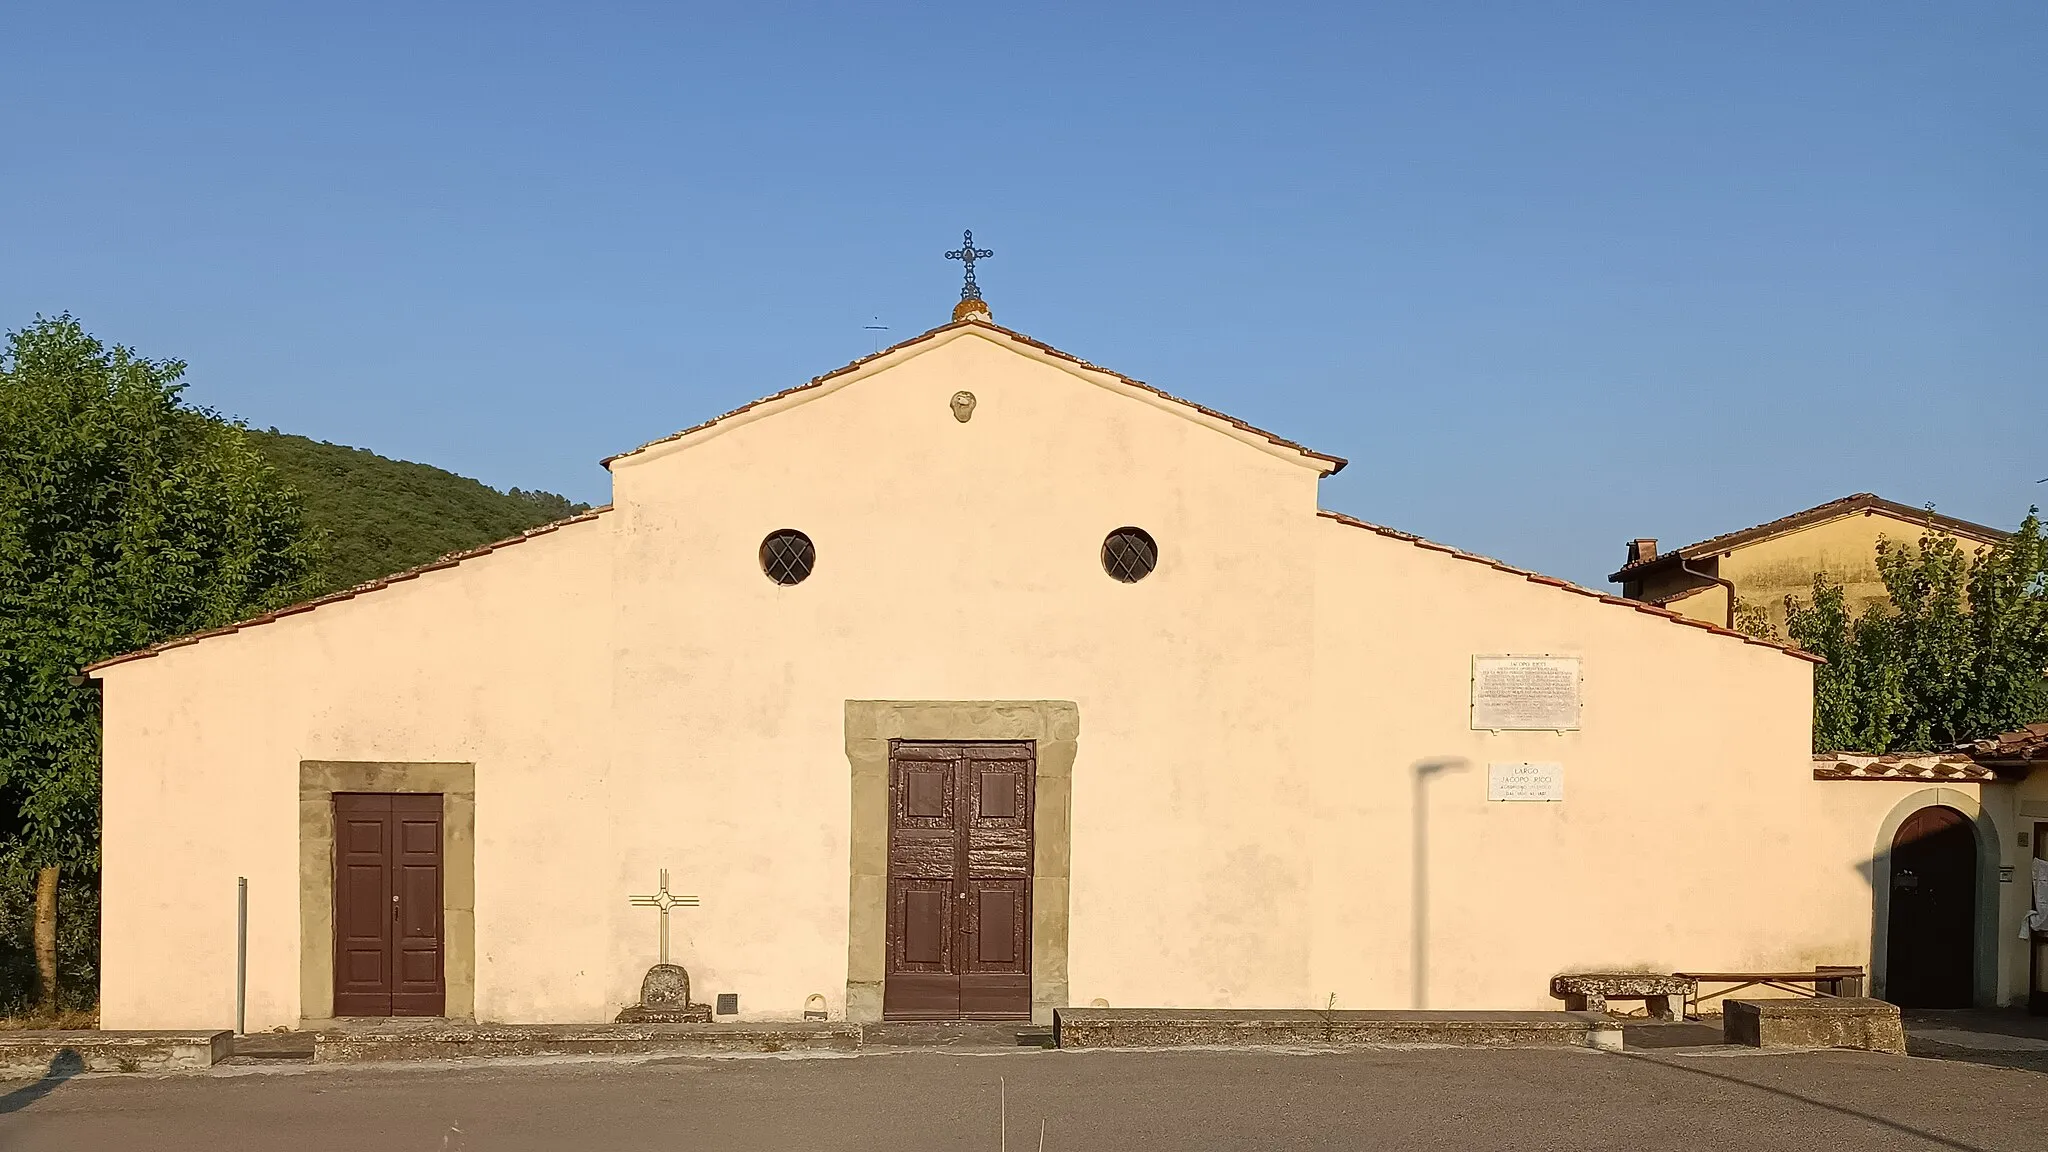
(241, 954)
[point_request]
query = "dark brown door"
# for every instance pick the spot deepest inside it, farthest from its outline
(1930, 943)
(959, 880)
(387, 905)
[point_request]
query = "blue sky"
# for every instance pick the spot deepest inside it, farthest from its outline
(1550, 275)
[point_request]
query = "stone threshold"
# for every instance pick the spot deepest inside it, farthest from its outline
(1308, 1028)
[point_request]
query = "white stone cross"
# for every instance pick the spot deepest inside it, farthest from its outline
(664, 900)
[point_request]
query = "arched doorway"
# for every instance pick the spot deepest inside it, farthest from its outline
(1929, 943)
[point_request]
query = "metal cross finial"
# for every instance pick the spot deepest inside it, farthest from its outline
(663, 900)
(967, 254)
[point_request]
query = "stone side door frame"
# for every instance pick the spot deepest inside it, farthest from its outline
(1054, 728)
(1987, 983)
(319, 780)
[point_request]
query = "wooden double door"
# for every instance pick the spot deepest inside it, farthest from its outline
(960, 852)
(387, 905)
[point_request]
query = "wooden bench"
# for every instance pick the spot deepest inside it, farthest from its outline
(1845, 981)
(1663, 995)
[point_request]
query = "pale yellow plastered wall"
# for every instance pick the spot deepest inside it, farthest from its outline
(1767, 571)
(635, 695)
(496, 663)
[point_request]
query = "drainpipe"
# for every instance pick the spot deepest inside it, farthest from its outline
(1683, 566)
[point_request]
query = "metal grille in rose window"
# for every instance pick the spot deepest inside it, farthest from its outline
(1129, 554)
(787, 556)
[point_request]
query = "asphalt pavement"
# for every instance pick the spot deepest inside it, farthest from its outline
(1394, 1099)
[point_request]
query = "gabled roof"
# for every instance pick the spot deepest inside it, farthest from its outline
(1568, 586)
(1819, 514)
(818, 386)
(448, 561)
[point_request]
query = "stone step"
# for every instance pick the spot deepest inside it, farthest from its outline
(445, 1041)
(1308, 1028)
(1821, 1022)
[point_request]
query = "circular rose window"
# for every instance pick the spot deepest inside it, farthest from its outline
(787, 556)
(1129, 554)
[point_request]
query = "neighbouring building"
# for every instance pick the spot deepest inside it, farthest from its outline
(972, 679)
(1766, 563)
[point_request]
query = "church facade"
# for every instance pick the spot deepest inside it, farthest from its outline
(968, 680)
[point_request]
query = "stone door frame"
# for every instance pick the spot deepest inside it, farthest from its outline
(319, 780)
(1985, 948)
(1053, 727)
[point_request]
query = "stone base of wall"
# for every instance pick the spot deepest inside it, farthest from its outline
(455, 1041)
(67, 1052)
(1259, 1028)
(1826, 1022)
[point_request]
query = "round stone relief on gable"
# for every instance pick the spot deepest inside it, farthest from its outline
(963, 406)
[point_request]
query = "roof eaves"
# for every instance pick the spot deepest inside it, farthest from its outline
(1567, 586)
(276, 614)
(1898, 766)
(1334, 464)
(1807, 518)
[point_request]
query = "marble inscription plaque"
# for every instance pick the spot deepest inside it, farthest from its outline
(1537, 782)
(1525, 692)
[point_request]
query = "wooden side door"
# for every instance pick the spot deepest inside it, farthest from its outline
(416, 977)
(387, 905)
(995, 936)
(1931, 940)
(959, 886)
(363, 924)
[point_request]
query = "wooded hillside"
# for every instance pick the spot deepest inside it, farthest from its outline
(377, 516)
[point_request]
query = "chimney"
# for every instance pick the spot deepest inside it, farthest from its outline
(1642, 548)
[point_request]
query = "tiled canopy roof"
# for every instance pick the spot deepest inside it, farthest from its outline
(2026, 747)
(1846, 506)
(1934, 766)
(2008, 754)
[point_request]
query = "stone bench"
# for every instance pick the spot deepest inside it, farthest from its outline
(65, 1052)
(1822, 1022)
(1590, 991)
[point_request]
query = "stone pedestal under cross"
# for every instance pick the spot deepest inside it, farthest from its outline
(665, 990)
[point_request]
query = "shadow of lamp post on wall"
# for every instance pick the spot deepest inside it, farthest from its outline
(1419, 898)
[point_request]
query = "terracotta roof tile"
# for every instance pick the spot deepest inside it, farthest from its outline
(1566, 586)
(2023, 747)
(1335, 463)
(1847, 505)
(448, 561)
(1899, 766)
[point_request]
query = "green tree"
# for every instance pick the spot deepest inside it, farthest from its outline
(126, 517)
(1859, 694)
(378, 516)
(1958, 653)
